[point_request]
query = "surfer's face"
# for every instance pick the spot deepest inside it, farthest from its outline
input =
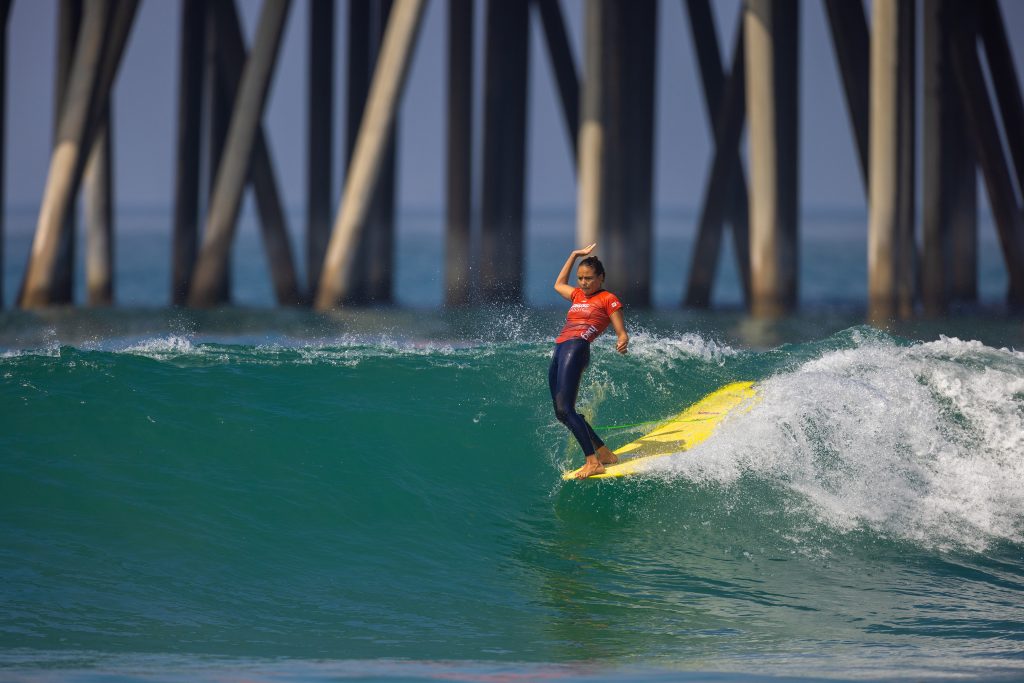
(589, 281)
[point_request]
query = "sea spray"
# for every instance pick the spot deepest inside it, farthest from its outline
(922, 442)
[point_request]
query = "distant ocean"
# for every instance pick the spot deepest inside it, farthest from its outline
(277, 495)
(833, 258)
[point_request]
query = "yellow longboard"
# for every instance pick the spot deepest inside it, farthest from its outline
(680, 433)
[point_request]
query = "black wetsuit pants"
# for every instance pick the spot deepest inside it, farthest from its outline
(567, 365)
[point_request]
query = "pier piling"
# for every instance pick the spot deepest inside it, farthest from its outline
(97, 56)
(185, 230)
(459, 187)
(771, 29)
(564, 66)
(906, 281)
(370, 149)
(616, 142)
(606, 100)
(232, 58)
(218, 116)
(984, 132)
(948, 170)
(69, 24)
(5, 11)
(632, 44)
(891, 69)
(1005, 84)
(233, 170)
(506, 69)
(725, 194)
(591, 161)
(849, 29)
(320, 136)
(99, 217)
(370, 281)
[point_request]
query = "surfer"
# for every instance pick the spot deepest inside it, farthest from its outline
(593, 308)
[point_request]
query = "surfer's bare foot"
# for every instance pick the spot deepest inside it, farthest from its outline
(605, 455)
(592, 466)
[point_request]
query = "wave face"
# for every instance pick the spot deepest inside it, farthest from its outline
(367, 498)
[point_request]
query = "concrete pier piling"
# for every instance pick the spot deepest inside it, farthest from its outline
(891, 67)
(217, 119)
(97, 57)
(231, 61)
(971, 118)
(849, 29)
(771, 30)
(320, 136)
(374, 262)
(725, 194)
(233, 170)
(368, 157)
(564, 66)
(5, 11)
(949, 225)
(984, 131)
(69, 23)
(591, 155)
(185, 230)
(1004, 76)
(503, 181)
(616, 144)
(99, 218)
(459, 186)
(633, 43)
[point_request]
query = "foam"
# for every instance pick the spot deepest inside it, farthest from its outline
(162, 346)
(922, 443)
(663, 352)
(345, 350)
(51, 350)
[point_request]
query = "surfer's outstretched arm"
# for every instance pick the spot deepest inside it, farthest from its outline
(562, 285)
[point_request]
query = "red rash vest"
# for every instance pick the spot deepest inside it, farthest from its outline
(589, 316)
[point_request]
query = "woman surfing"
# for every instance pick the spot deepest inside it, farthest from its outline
(593, 308)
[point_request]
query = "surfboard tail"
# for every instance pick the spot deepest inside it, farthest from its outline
(692, 426)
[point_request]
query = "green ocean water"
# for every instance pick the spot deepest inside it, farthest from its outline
(377, 496)
(269, 494)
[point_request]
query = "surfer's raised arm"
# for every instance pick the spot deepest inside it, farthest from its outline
(562, 285)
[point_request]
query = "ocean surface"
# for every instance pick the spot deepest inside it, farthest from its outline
(275, 495)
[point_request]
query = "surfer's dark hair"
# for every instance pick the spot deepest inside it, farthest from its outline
(595, 263)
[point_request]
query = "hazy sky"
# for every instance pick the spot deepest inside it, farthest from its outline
(146, 92)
